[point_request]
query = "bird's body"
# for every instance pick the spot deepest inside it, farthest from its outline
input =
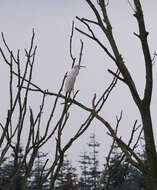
(71, 78)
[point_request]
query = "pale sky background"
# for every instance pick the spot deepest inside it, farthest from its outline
(52, 20)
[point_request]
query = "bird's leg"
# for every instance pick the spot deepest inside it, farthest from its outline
(67, 96)
(69, 93)
(73, 92)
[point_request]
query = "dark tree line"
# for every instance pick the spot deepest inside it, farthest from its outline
(33, 183)
(119, 176)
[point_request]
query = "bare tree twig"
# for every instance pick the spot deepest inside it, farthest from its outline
(81, 50)
(71, 40)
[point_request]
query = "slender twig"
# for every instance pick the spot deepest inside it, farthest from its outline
(71, 40)
(117, 76)
(93, 37)
(81, 50)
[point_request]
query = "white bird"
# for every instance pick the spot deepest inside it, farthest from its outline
(71, 78)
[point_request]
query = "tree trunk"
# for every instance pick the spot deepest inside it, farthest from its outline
(151, 179)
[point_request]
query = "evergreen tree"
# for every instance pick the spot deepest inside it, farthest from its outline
(84, 166)
(67, 178)
(7, 170)
(94, 172)
(117, 171)
(123, 176)
(38, 173)
(5, 174)
(136, 176)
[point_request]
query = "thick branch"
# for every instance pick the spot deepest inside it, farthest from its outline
(118, 58)
(147, 57)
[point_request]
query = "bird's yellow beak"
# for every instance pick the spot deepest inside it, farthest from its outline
(81, 66)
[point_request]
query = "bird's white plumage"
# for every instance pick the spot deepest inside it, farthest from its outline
(71, 78)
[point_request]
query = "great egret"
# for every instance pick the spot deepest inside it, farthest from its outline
(71, 78)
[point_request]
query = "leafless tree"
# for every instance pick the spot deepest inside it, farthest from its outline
(21, 115)
(103, 22)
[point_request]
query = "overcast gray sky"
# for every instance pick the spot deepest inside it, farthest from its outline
(52, 21)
